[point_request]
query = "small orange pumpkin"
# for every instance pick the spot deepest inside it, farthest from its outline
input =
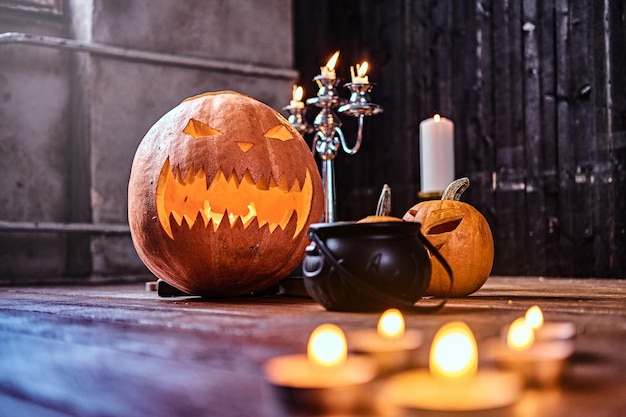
(221, 194)
(462, 235)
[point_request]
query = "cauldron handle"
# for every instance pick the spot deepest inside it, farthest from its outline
(432, 249)
(374, 292)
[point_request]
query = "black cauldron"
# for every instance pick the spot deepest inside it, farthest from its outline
(369, 266)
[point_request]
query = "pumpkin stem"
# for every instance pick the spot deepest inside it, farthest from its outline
(384, 202)
(455, 189)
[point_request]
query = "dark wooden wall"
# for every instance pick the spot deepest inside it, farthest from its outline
(537, 92)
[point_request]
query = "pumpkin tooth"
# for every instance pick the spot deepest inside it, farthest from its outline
(285, 220)
(234, 179)
(190, 220)
(177, 218)
(211, 216)
(232, 218)
(247, 219)
(261, 222)
(295, 186)
(272, 227)
(261, 184)
(303, 204)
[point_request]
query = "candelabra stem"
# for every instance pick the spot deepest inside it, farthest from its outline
(328, 178)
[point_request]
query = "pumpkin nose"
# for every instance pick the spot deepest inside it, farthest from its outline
(244, 146)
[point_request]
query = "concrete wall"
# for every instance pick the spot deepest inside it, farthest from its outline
(70, 122)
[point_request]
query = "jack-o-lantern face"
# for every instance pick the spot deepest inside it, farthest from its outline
(221, 194)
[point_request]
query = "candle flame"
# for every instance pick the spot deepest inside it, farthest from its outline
(327, 346)
(454, 353)
(391, 324)
(332, 61)
(298, 93)
(436, 118)
(534, 317)
(361, 70)
(520, 335)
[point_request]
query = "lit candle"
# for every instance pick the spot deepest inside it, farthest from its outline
(328, 71)
(454, 354)
(545, 330)
(325, 365)
(453, 381)
(390, 344)
(436, 154)
(360, 77)
(540, 361)
(534, 317)
(326, 377)
(296, 97)
(548, 330)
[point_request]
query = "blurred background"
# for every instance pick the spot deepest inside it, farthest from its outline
(536, 90)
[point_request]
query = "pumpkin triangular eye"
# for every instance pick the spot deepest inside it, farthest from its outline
(197, 129)
(279, 132)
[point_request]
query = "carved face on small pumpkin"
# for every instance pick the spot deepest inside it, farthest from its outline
(221, 194)
(463, 237)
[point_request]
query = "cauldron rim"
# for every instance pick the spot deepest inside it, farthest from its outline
(354, 229)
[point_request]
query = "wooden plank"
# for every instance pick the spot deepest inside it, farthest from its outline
(477, 152)
(537, 233)
(508, 130)
(576, 141)
(547, 30)
(609, 126)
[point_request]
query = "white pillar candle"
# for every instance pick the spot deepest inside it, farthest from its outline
(436, 154)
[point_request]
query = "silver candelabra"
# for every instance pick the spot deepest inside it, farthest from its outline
(328, 136)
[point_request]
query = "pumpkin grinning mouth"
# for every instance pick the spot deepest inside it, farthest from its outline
(229, 198)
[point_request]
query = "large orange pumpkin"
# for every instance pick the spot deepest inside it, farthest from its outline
(221, 193)
(462, 235)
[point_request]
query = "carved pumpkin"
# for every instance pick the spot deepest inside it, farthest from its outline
(462, 235)
(221, 193)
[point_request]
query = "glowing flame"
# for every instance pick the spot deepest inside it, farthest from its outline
(327, 346)
(534, 317)
(391, 324)
(454, 353)
(361, 70)
(332, 61)
(298, 93)
(520, 335)
(436, 118)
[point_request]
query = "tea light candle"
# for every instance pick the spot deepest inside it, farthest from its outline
(436, 143)
(390, 344)
(296, 97)
(360, 77)
(328, 71)
(326, 364)
(548, 330)
(540, 362)
(453, 381)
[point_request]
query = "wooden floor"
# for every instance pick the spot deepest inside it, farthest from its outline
(124, 351)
